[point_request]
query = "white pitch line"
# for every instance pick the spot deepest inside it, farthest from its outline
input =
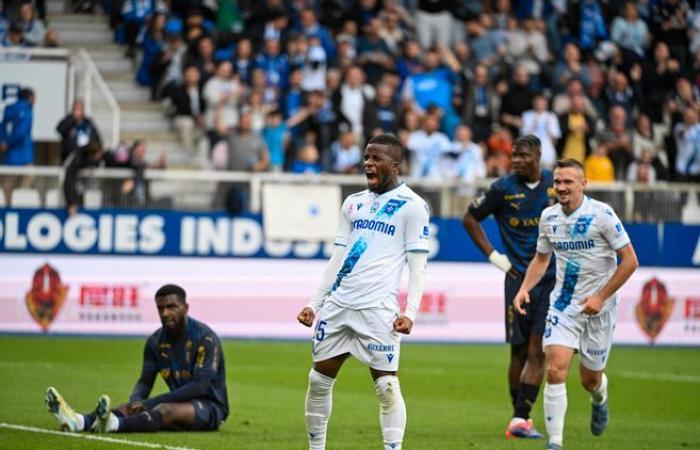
(91, 437)
(659, 376)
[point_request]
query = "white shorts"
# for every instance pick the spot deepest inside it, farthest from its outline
(590, 335)
(367, 334)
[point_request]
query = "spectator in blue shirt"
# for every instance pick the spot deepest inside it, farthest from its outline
(591, 25)
(4, 23)
(434, 85)
(16, 131)
(16, 146)
(152, 44)
(307, 160)
(373, 54)
(14, 36)
(274, 64)
(409, 63)
(135, 13)
(630, 32)
(311, 28)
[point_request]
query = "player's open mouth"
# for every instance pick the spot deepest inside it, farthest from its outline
(371, 176)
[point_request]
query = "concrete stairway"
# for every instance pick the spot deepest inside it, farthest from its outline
(140, 118)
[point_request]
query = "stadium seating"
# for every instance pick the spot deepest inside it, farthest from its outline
(25, 198)
(691, 210)
(53, 198)
(92, 199)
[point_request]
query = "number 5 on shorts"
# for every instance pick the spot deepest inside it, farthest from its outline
(321, 330)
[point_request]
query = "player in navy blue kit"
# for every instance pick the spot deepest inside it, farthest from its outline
(516, 202)
(188, 356)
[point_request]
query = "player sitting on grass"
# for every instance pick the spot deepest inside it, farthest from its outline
(188, 355)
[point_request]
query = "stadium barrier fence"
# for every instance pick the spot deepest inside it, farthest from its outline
(196, 190)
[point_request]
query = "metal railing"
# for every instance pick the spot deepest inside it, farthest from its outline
(202, 190)
(100, 104)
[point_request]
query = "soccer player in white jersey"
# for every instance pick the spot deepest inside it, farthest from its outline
(356, 307)
(586, 237)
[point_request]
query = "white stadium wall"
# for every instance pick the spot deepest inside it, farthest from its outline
(47, 76)
(259, 298)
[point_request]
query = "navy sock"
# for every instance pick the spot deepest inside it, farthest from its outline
(514, 396)
(146, 421)
(527, 396)
(89, 420)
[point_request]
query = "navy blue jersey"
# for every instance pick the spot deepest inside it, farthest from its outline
(192, 365)
(517, 210)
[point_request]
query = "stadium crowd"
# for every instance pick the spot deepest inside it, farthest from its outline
(300, 86)
(23, 24)
(613, 84)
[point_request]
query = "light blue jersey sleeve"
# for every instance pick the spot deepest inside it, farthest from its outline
(612, 229)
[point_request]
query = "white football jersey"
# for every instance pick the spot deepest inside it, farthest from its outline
(585, 245)
(377, 231)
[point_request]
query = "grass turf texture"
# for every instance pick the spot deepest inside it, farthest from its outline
(455, 394)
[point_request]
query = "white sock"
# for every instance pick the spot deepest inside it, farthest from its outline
(600, 395)
(80, 423)
(554, 411)
(392, 411)
(112, 423)
(319, 402)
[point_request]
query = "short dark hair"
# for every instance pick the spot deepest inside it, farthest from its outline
(172, 289)
(569, 162)
(530, 142)
(26, 93)
(390, 140)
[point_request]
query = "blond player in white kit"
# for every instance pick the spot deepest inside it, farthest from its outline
(586, 237)
(380, 230)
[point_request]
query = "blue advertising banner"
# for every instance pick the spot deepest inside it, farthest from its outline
(176, 233)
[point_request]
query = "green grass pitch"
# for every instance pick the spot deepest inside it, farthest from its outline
(455, 394)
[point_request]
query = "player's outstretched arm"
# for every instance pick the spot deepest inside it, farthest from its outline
(308, 313)
(149, 370)
(476, 232)
(498, 259)
(593, 304)
(535, 271)
(417, 266)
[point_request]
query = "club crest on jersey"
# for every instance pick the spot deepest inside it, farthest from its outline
(374, 208)
(581, 226)
(392, 206)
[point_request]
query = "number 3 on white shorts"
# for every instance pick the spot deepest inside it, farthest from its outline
(551, 322)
